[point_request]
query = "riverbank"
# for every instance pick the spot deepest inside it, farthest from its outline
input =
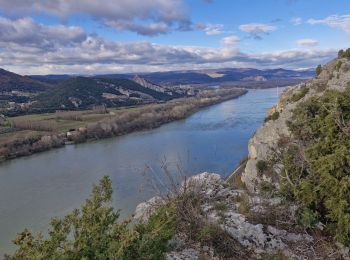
(38, 133)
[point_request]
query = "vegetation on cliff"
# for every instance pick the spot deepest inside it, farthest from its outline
(317, 166)
(344, 54)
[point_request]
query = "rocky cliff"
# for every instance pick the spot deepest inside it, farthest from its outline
(264, 146)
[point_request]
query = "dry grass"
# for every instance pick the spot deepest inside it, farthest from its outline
(244, 206)
(187, 198)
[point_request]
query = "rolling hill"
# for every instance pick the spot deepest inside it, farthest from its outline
(84, 92)
(13, 82)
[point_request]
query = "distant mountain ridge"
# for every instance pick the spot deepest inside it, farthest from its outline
(224, 76)
(211, 76)
(13, 82)
(19, 94)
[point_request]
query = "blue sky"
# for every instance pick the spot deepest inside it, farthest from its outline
(114, 36)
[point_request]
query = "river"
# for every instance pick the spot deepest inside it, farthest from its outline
(36, 188)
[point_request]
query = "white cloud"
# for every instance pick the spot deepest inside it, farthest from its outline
(211, 29)
(341, 22)
(146, 17)
(96, 55)
(296, 21)
(307, 42)
(257, 30)
(230, 40)
(27, 33)
(29, 47)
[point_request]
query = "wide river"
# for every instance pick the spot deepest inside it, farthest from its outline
(36, 188)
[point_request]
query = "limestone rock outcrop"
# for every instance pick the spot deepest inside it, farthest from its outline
(264, 145)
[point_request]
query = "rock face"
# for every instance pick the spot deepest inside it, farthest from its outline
(145, 209)
(143, 82)
(264, 144)
(256, 238)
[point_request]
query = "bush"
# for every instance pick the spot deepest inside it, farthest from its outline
(223, 244)
(244, 205)
(94, 232)
(344, 54)
(340, 54)
(261, 166)
(297, 96)
(318, 70)
(220, 206)
(273, 117)
(316, 171)
(308, 218)
(338, 66)
(267, 189)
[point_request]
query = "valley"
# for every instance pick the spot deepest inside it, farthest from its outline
(174, 130)
(38, 113)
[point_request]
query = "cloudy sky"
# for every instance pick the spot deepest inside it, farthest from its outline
(114, 36)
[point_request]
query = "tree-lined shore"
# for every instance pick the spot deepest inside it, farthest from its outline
(38, 133)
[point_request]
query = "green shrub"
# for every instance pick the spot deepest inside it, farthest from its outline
(267, 189)
(318, 70)
(316, 172)
(94, 232)
(338, 66)
(340, 54)
(244, 205)
(220, 206)
(297, 96)
(223, 244)
(308, 218)
(344, 54)
(273, 117)
(153, 236)
(261, 166)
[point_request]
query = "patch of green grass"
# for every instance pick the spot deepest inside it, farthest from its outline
(220, 206)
